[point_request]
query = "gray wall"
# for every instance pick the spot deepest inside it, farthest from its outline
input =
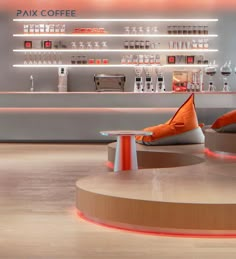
(17, 79)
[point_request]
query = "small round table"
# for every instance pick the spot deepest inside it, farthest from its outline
(126, 155)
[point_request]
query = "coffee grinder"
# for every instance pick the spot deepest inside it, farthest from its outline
(62, 79)
(148, 85)
(160, 82)
(138, 81)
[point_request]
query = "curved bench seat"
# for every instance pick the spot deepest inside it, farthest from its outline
(194, 195)
(220, 142)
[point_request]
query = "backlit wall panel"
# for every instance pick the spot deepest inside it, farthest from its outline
(119, 5)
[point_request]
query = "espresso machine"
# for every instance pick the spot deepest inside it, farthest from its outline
(160, 82)
(138, 81)
(148, 85)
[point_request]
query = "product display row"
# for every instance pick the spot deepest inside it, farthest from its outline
(57, 58)
(61, 28)
(127, 44)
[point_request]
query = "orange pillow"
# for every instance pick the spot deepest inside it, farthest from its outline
(225, 123)
(184, 120)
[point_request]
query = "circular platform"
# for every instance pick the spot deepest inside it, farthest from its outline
(220, 142)
(198, 199)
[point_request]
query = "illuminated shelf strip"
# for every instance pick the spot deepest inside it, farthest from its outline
(119, 35)
(115, 50)
(98, 66)
(184, 65)
(115, 20)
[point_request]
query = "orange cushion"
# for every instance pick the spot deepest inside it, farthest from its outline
(226, 123)
(185, 119)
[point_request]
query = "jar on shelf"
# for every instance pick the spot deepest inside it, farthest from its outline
(180, 29)
(190, 30)
(126, 44)
(175, 30)
(169, 29)
(73, 60)
(147, 44)
(132, 44)
(205, 29)
(137, 44)
(200, 30)
(142, 44)
(84, 60)
(185, 30)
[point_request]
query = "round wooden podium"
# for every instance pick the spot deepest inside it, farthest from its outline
(197, 197)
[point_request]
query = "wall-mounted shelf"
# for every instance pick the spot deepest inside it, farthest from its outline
(107, 65)
(61, 35)
(117, 50)
(121, 38)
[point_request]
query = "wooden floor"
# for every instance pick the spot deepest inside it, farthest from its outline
(38, 220)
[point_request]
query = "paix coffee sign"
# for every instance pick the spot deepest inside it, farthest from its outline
(47, 13)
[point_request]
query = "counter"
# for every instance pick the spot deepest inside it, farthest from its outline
(80, 116)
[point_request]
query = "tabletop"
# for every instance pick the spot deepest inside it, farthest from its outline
(126, 133)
